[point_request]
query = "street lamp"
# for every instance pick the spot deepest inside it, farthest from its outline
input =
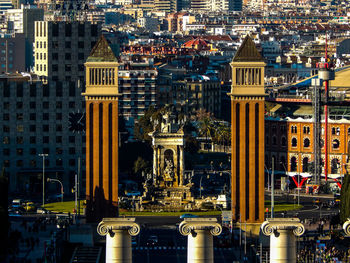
(268, 178)
(56, 180)
(200, 187)
(273, 187)
(43, 155)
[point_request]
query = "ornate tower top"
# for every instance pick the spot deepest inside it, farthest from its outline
(102, 71)
(248, 70)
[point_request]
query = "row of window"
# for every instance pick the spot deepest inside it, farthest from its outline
(33, 163)
(58, 91)
(46, 139)
(306, 144)
(33, 151)
(41, 44)
(33, 104)
(306, 130)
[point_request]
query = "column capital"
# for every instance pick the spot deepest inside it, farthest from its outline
(107, 225)
(274, 224)
(346, 227)
(190, 225)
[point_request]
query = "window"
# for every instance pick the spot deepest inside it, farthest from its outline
(19, 116)
(81, 44)
(68, 29)
(67, 56)
(46, 150)
(54, 67)
(71, 139)
(46, 91)
(19, 163)
(32, 151)
(293, 164)
(32, 139)
(55, 29)
(274, 129)
(32, 163)
(46, 139)
(54, 56)
(32, 105)
(46, 128)
(45, 105)
(306, 130)
(68, 67)
(294, 129)
(81, 56)
(59, 127)
(19, 105)
(59, 162)
(67, 44)
(305, 165)
(19, 140)
(6, 140)
(6, 105)
(59, 151)
(32, 128)
(81, 31)
(6, 151)
(19, 151)
(32, 116)
(6, 163)
(274, 140)
(58, 104)
(20, 128)
(283, 128)
(6, 117)
(306, 143)
(294, 142)
(45, 116)
(58, 116)
(58, 139)
(71, 150)
(32, 91)
(283, 141)
(335, 144)
(335, 165)
(19, 90)
(59, 91)
(71, 104)
(71, 162)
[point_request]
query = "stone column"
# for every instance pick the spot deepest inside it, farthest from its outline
(282, 232)
(200, 232)
(181, 173)
(154, 160)
(118, 232)
(346, 227)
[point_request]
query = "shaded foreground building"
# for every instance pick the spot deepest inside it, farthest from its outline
(247, 113)
(101, 97)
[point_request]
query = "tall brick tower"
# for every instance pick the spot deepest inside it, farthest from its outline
(101, 97)
(247, 126)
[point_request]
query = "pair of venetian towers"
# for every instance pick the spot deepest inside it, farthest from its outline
(247, 124)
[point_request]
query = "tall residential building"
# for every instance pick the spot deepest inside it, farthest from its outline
(248, 138)
(61, 48)
(167, 6)
(35, 119)
(101, 96)
(137, 86)
(22, 20)
(12, 57)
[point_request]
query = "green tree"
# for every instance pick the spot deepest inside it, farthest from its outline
(205, 122)
(141, 165)
(345, 198)
(145, 124)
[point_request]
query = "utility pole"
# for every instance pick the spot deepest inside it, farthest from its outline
(43, 155)
(273, 187)
(78, 187)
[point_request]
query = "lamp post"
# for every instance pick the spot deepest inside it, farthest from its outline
(268, 178)
(273, 187)
(56, 180)
(200, 187)
(43, 155)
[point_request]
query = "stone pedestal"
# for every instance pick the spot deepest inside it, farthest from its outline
(118, 232)
(346, 227)
(200, 232)
(282, 232)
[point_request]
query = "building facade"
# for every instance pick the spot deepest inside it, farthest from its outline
(35, 119)
(61, 48)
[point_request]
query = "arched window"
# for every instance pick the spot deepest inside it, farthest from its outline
(306, 142)
(321, 143)
(274, 140)
(294, 142)
(335, 144)
(293, 164)
(283, 141)
(335, 165)
(305, 165)
(283, 163)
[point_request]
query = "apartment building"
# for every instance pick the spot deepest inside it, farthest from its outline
(61, 49)
(39, 118)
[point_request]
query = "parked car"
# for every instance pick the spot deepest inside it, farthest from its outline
(188, 216)
(41, 210)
